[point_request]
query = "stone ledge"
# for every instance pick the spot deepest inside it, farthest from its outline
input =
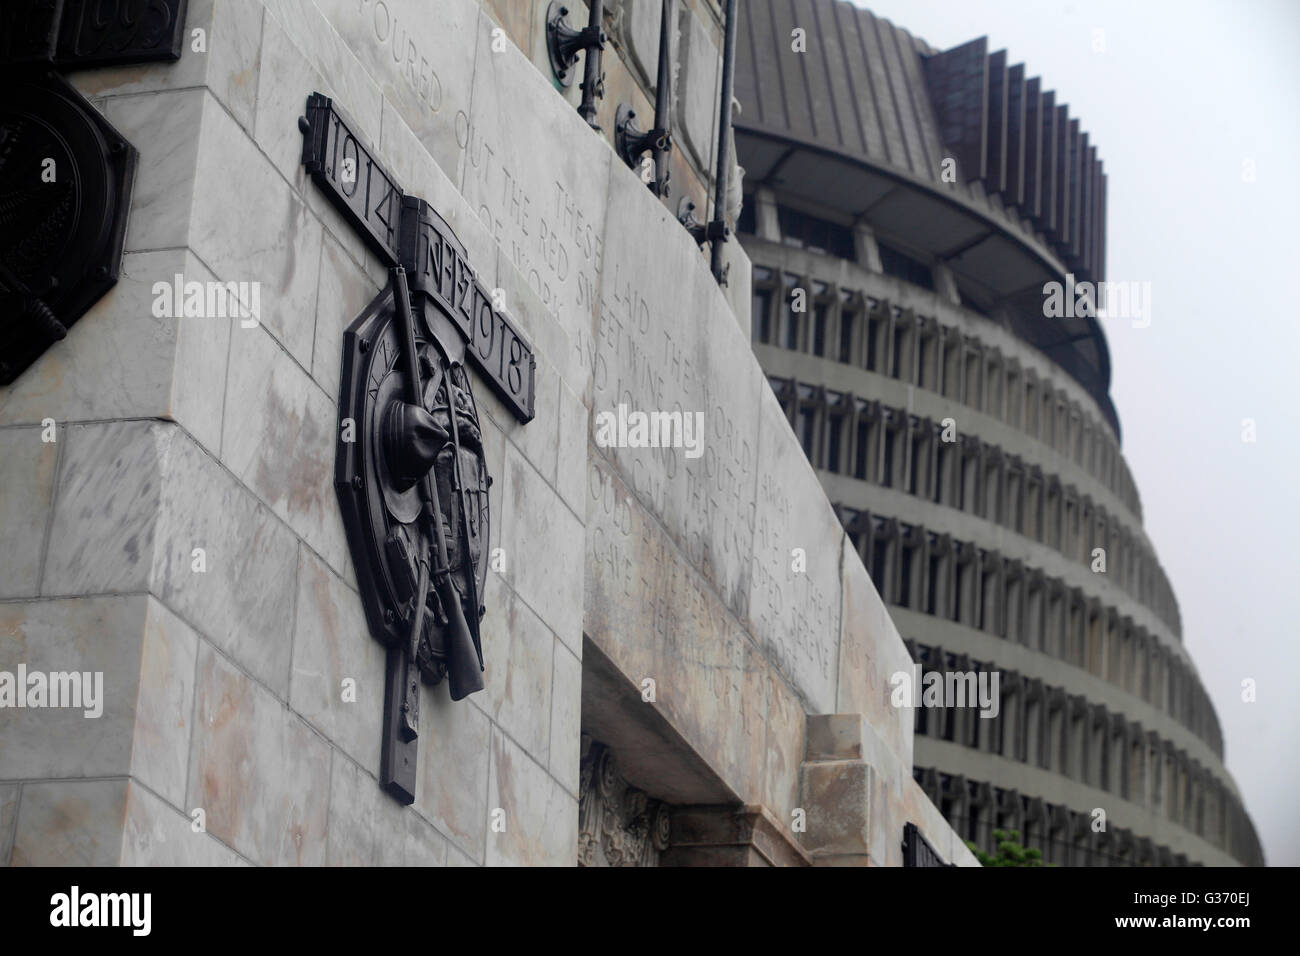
(748, 835)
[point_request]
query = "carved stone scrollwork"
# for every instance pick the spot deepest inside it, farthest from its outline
(618, 825)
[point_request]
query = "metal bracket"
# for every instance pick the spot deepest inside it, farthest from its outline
(564, 42)
(701, 232)
(631, 142)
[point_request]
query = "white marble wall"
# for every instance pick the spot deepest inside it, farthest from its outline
(224, 685)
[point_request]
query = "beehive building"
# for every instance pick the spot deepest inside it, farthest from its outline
(905, 208)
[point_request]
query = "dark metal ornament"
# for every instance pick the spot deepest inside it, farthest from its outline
(65, 187)
(387, 446)
(410, 472)
(630, 140)
(79, 33)
(65, 173)
(108, 32)
(565, 42)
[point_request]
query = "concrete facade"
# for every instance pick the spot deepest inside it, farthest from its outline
(968, 442)
(170, 519)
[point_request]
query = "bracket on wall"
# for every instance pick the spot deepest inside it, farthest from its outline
(630, 142)
(701, 232)
(563, 44)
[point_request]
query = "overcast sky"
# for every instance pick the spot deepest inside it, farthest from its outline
(1185, 94)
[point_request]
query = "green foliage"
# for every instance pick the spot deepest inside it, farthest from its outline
(1010, 852)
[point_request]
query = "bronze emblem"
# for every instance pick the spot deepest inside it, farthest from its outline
(410, 473)
(413, 485)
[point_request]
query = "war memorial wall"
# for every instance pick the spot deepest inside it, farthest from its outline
(681, 641)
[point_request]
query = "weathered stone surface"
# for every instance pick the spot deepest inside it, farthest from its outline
(164, 703)
(125, 362)
(543, 549)
(355, 802)
(158, 834)
(452, 769)
(566, 718)
(731, 836)
(280, 440)
(369, 828)
(658, 619)
(74, 634)
(539, 818)
(27, 475)
(162, 128)
(117, 362)
(697, 91)
(103, 533)
(145, 494)
(285, 80)
(227, 66)
(202, 346)
(146, 657)
(516, 17)
(539, 445)
(8, 818)
(518, 677)
(242, 601)
(886, 822)
(538, 323)
(795, 613)
(652, 354)
(258, 771)
(456, 858)
(248, 225)
(571, 462)
(420, 844)
(331, 644)
(785, 749)
(70, 823)
(871, 652)
(641, 20)
(836, 794)
(548, 215)
(344, 290)
(421, 55)
(417, 169)
(835, 737)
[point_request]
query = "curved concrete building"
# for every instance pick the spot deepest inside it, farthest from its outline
(904, 208)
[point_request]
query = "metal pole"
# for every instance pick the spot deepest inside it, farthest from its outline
(718, 228)
(591, 79)
(663, 100)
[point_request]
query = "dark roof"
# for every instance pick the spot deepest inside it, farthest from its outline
(863, 122)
